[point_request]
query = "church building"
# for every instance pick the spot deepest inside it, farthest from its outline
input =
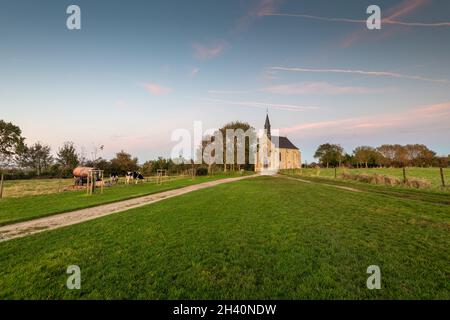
(275, 153)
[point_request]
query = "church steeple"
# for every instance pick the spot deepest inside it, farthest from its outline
(267, 125)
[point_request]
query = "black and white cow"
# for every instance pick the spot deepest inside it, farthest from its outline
(114, 178)
(133, 175)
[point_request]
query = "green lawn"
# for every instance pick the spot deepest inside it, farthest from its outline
(430, 174)
(30, 207)
(261, 238)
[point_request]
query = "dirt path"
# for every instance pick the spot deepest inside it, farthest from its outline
(27, 228)
(322, 184)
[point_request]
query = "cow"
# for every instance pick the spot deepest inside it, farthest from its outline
(113, 178)
(133, 176)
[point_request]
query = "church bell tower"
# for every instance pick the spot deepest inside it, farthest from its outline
(267, 126)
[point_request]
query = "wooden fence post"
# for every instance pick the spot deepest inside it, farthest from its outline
(103, 182)
(1, 187)
(88, 183)
(442, 176)
(93, 178)
(404, 175)
(335, 172)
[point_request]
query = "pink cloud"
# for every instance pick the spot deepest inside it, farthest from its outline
(319, 88)
(156, 89)
(441, 108)
(406, 7)
(260, 9)
(265, 7)
(403, 9)
(202, 51)
(422, 118)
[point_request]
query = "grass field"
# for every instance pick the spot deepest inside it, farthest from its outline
(261, 238)
(430, 174)
(427, 195)
(33, 187)
(29, 207)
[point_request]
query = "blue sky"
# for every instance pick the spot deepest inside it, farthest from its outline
(137, 70)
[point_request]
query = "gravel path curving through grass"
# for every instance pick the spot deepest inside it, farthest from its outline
(30, 227)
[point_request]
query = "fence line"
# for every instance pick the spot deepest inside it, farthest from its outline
(1, 186)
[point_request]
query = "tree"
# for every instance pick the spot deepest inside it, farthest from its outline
(38, 157)
(387, 152)
(349, 160)
(147, 168)
(21, 157)
(162, 163)
(10, 141)
(248, 148)
(238, 125)
(123, 162)
(393, 155)
(67, 156)
(366, 155)
(95, 153)
(329, 154)
(100, 164)
(419, 155)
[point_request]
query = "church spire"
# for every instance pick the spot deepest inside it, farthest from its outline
(267, 125)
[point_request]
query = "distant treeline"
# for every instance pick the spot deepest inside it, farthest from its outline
(67, 159)
(387, 155)
(20, 161)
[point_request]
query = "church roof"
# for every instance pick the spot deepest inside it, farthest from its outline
(267, 124)
(283, 143)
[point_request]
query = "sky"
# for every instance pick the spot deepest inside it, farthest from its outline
(138, 70)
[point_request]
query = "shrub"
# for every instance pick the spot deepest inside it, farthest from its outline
(379, 179)
(391, 181)
(347, 176)
(366, 178)
(19, 175)
(418, 183)
(202, 171)
(374, 178)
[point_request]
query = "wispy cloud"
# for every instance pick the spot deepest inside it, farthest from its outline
(156, 89)
(265, 105)
(320, 88)
(264, 7)
(260, 9)
(202, 51)
(363, 21)
(194, 71)
(403, 9)
(427, 117)
(228, 91)
(362, 72)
